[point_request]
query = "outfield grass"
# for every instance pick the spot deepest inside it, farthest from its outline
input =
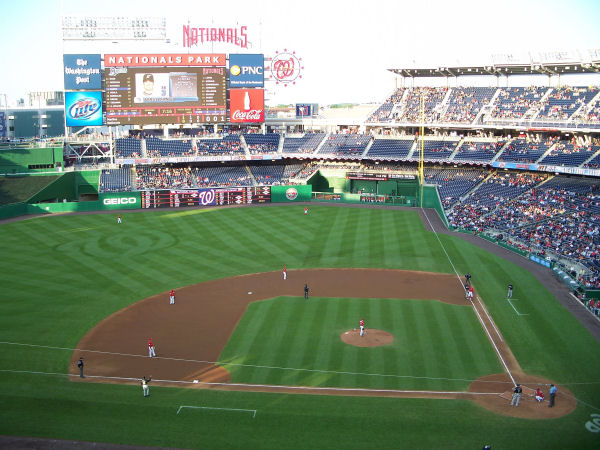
(61, 275)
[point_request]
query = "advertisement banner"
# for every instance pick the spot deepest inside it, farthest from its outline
(300, 193)
(82, 72)
(246, 70)
(120, 200)
(246, 105)
(2, 124)
(165, 60)
(83, 108)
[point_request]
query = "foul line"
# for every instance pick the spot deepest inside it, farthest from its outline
(253, 411)
(224, 363)
(490, 319)
(513, 307)
(472, 303)
(268, 386)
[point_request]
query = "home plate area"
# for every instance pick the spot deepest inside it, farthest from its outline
(371, 338)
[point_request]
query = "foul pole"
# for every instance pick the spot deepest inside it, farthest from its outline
(421, 144)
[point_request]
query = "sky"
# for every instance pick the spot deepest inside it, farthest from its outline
(345, 46)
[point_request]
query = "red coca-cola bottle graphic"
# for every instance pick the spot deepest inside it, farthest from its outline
(246, 101)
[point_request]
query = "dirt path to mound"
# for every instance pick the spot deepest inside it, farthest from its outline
(191, 334)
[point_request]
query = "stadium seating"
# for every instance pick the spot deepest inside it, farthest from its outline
(345, 145)
(128, 148)
(568, 155)
(465, 103)
(169, 147)
(115, 180)
(305, 144)
(390, 149)
(478, 151)
(522, 151)
(262, 143)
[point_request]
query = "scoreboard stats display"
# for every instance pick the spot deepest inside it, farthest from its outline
(165, 89)
(176, 198)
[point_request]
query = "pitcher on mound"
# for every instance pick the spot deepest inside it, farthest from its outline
(361, 323)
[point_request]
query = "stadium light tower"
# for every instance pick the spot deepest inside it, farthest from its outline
(89, 28)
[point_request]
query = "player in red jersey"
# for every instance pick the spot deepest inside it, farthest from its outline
(470, 293)
(361, 324)
(119, 218)
(284, 273)
(172, 297)
(305, 210)
(151, 352)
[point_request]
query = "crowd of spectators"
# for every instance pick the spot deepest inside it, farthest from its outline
(513, 103)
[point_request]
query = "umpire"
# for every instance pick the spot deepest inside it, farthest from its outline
(80, 365)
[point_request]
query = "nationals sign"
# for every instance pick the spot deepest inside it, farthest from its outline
(246, 105)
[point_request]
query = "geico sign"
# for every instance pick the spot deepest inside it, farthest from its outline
(120, 201)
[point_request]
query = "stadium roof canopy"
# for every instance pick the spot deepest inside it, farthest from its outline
(552, 63)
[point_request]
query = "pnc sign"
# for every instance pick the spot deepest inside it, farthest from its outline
(246, 70)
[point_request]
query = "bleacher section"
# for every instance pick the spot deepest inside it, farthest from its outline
(128, 148)
(567, 154)
(115, 180)
(157, 148)
(563, 102)
(453, 183)
(435, 150)
(480, 152)
(513, 103)
(345, 145)
(230, 145)
(260, 144)
(466, 102)
(305, 144)
(390, 149)
(521, 151)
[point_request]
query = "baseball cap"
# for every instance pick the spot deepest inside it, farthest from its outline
(148, 77)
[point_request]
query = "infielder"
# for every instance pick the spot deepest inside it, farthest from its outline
(172, 297)
(361, 324)
(284, 273)
(151, 352)
(470, 293)
(145, 387)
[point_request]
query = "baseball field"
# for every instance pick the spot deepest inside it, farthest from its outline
(274, 370)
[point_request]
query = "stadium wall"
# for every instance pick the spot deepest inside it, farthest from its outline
(24, 160)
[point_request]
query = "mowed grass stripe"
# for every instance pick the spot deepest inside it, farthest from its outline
(298, 327)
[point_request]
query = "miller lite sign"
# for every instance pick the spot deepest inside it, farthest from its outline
(246, 105)
(83, 108)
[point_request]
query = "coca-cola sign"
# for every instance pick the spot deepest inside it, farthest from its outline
(254, 115)
(246, 105)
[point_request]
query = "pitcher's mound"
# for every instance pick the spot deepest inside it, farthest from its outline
(372, 338)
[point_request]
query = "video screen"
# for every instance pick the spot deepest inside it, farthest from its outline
(163, 95)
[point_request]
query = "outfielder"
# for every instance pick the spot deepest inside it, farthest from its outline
(172, 297)
(151, 352)
(119, 218)
(145, 387)
(361, 324)
(305, 210)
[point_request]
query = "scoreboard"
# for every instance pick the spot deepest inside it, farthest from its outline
(175, 198)
(173, 95)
